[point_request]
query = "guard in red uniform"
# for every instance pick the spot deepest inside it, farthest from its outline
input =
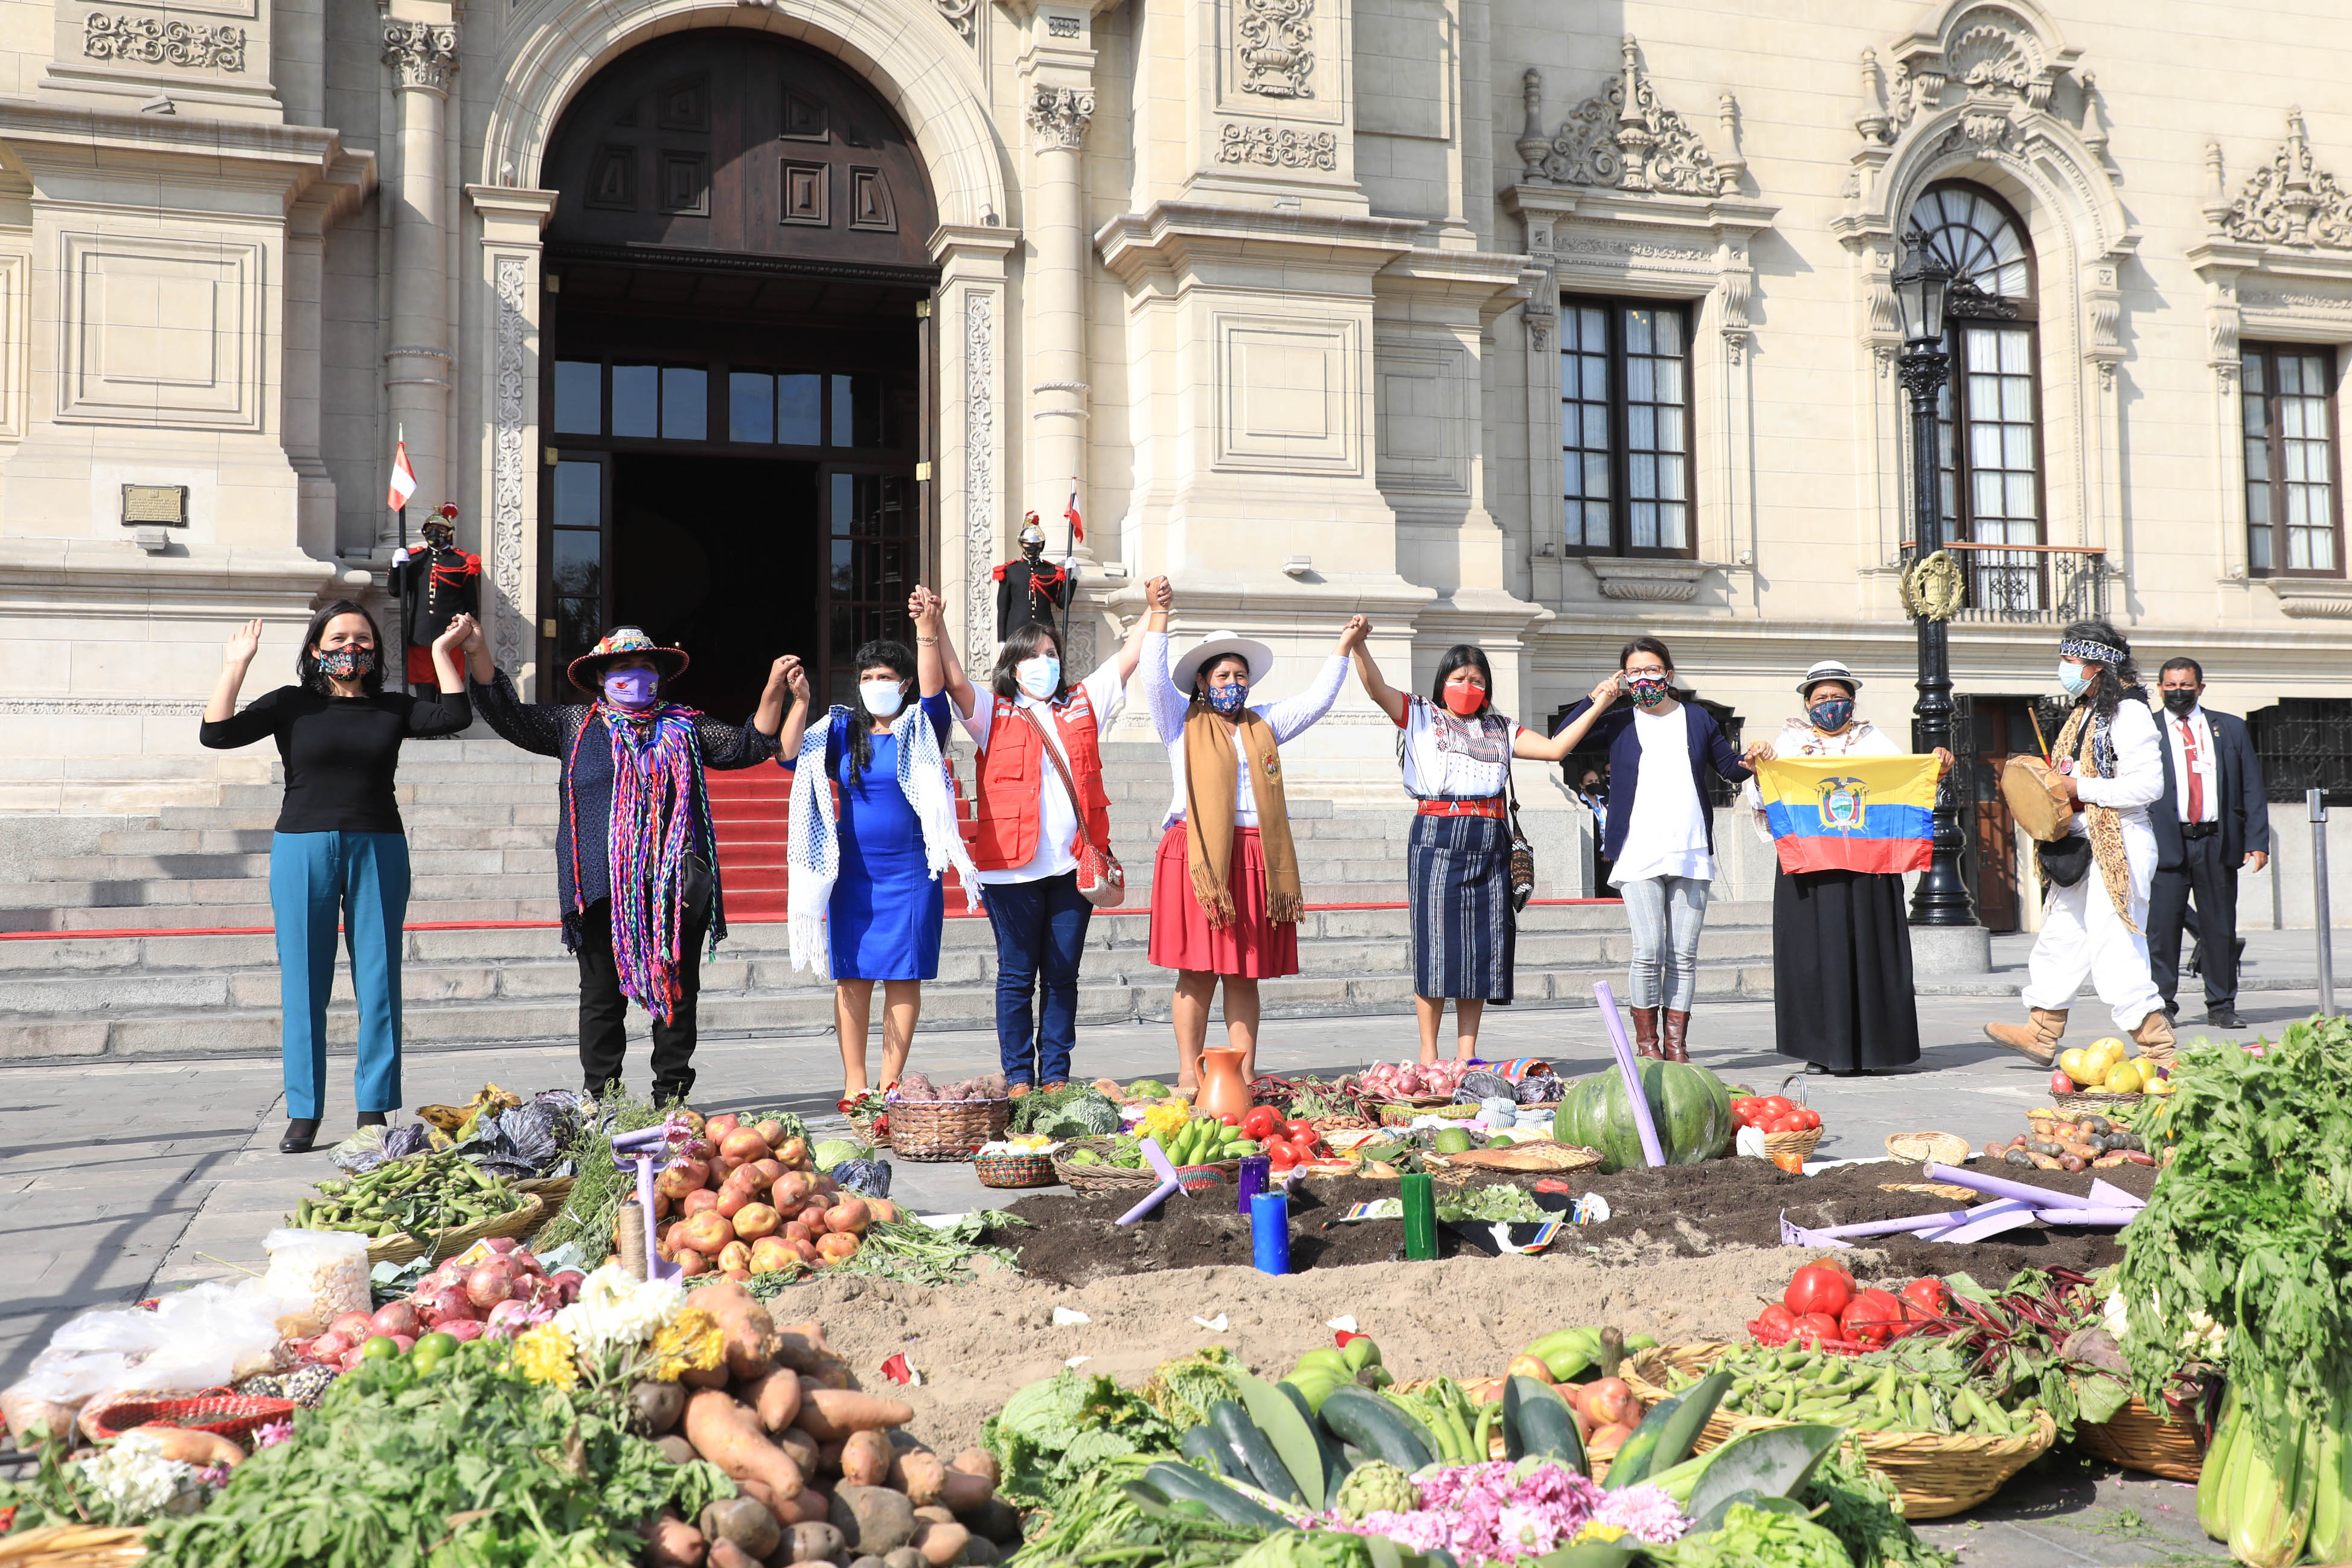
(435, 582)
(1031, 589)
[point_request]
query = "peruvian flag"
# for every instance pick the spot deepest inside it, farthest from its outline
(1070, 514)
(404, 478)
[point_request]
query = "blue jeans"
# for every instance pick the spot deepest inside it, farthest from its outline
(1041, 936)
(361, 880)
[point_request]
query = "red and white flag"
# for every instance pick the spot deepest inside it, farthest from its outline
(404, 478)
(1070, 514)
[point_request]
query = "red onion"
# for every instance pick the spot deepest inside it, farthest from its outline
(488, 1285)
(398, 1318)
(450, 1305)
(464, 1329)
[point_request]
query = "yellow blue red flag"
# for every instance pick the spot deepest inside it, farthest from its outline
(1849, 813)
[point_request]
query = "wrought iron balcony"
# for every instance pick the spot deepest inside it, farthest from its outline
(2027, 585)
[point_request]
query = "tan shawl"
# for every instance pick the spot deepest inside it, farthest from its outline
(2078, 740)
(1210, 769)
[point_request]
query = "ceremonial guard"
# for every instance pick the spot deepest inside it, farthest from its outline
(1032, 590)
(433, 582)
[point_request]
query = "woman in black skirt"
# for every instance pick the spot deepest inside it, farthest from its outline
(1841, 939)
(1456, 751)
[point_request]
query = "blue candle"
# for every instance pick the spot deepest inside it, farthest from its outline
(1270, 1232)
(1255, 1168)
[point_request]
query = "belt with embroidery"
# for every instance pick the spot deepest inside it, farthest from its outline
(1492, 806)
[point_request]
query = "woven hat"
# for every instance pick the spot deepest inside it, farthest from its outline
(1828, 670)
(1215, 645)
(626, 642)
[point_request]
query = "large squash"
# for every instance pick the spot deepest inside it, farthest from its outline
(1690, 1105)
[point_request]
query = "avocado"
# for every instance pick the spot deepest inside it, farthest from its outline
(1451, 1141)
(1499, 1141)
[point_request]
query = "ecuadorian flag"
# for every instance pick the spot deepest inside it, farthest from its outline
(1849, 813)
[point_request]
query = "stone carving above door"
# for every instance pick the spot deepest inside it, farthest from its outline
(1625, 138)
(1277, 46)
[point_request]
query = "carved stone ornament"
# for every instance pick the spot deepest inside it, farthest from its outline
(979, 468)
(420, 54)
(1623, 137)
(509, 465)
(151, 40)
(1277, 47)
(1277, 147)
(1651, 581)
(962, 15)
(2291, 200)
(1058, 115)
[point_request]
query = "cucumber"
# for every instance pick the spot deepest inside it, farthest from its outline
(1374, 1426)
(1335, 1465)
(1200, 1443)
(1537, 1422)
(1634, 1461)
(1234, 1425)
(1681, 1432)
(1182, 1481)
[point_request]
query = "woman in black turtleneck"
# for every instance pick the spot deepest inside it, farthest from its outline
(339, 854)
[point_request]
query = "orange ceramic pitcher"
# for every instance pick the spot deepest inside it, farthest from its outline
(1223, 1090)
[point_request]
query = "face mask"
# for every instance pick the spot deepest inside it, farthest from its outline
(1646, 690)
(348, 662)
(1832, 714)
(1228, 700)
(2181, 703)
(2070, 676)
(631, 688)
(1041, 677)
(1464, 700)
(883, 699)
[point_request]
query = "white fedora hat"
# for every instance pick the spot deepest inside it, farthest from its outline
(1828, 670)
(1216, 645)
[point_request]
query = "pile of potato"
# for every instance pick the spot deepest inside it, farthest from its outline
(742, 1200)
(826, 1474)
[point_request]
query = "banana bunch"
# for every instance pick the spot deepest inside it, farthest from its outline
(2276, 1508)
(1319, 1371)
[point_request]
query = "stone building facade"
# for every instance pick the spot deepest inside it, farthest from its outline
(1494, 320)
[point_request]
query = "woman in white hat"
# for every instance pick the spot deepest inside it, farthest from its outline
(1226, 896)
(1842, 993)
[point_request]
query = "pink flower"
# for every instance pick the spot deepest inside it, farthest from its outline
(271, 1434)
(1645, 1511)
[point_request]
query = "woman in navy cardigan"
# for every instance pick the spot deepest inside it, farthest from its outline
(1661, 835)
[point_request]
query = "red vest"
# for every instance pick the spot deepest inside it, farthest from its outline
(1010, 769)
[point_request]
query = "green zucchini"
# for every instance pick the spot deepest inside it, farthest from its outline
(1633, 1462)
(1182, 1481)
(1680, 1434)
(1375, 1425)
(1200, 1443)
(1538, 1421)
(1335, 1464)
(1271, 1477)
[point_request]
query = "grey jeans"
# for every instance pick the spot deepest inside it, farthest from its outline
(1667, 913)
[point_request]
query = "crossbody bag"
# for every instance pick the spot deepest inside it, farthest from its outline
(1102, 880)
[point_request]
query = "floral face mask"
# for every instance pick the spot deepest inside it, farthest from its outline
(348, 662)
(1647, 691)
(1229, 699)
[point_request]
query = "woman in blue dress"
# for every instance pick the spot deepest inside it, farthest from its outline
(866, 899)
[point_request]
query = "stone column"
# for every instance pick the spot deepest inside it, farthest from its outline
(423, 57)
(1057, 74)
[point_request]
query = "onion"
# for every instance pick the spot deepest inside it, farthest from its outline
(505, 1245)
(398, 1318)
(328, 1346)
(354, 1326)
(449, 1305)
(488, 1285)
(463, 1329)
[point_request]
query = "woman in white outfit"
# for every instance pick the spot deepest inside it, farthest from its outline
(2111, 760)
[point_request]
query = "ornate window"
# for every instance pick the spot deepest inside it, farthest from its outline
(2294, 506)
(1625, 439)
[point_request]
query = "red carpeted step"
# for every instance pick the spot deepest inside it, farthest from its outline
(749, 813)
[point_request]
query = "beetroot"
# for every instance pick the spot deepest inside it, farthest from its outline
(569, 1281)
(398, 1318)
(488, 1285)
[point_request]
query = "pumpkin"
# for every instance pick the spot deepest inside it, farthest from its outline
(1690, 1105)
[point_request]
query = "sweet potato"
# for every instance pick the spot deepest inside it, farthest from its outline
(829, 1373)
(873, 1518)
(776, 1396)
(828, 1459)
(865, 1459)
(830, 1415)
(743, 1522)
(728, 1436)
(198, 1449)
(671, 1542)
(702, 1377)
(750, 1332)
(920, 1474)
(979, 1462)
(801, 1346)
(935, 1515)
(725, 1553)
(941, 1545)
(818, 1542)
(905, 1557)
(801, 1447)
(809, 1507)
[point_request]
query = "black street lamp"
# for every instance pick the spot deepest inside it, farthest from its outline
(1921, 285)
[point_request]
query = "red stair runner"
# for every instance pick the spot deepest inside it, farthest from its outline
(747, 812)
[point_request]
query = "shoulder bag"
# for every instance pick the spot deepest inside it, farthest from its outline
(1523, 853)
(1102, 880)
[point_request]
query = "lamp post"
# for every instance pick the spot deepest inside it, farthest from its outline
(1921, 285)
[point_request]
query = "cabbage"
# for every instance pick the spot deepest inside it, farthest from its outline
(833, 1151)
(871, 1178)
(1147, 1089)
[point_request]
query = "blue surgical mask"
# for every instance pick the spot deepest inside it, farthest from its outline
(631, 688)
(883, 699)
(1832, 714)
(1040, 677)
(2070, 676)
(1229, 699)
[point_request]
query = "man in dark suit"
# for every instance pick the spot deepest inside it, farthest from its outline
(2212, 819)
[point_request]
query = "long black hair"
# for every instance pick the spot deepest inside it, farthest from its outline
(900, 660)
(306, 662)
(2116, 680)
(1026, 643)
(1463, 655)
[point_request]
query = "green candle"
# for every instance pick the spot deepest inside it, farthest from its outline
(1420, 1218)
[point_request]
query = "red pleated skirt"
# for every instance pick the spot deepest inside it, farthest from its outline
(1253, 948)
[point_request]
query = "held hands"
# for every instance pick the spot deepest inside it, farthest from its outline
(1352, 635)
(925, 608)
(243, 643)
(458, 636)
(788, 673)
(1160, 595)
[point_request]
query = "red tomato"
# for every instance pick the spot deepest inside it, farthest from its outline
(1810, 1117)
(1872, 1317)
(1776, 1319)
(1300, 1134)
(1230, 1120)
(1926, 1298)
(1815, 1327)
(1262, 1122)
(1279, 1154)
(1743, 1110)
(1817, 1288)
(1788, 1124)
(1772, 1106)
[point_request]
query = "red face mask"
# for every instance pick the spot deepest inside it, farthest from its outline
(1464, 700)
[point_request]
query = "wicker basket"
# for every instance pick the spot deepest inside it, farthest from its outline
(2095, 1099)
(945, 1129)
(1919, 1148)
(1404, 1113)
(1439, 1174)
(552, 1192)
(72, 1546)
(1325, 1124)
(1780, 1146)
(1091, 1180)
(1545, 1158)
(216, 1410)
(1015, 1170)
(1938, 1473)
(403, 1248)
(2137, 1438)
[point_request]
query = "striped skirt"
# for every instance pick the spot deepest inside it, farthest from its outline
(1458, 886)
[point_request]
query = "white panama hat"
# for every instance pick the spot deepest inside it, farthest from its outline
(1216, 645)
(1828, 670)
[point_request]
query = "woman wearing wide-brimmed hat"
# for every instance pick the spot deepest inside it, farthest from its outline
(1226, 896)
(636, 862)
(1841, 994)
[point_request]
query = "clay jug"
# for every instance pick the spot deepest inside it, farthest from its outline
(1223, 1090)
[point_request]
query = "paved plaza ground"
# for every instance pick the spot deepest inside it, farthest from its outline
(122, 1178)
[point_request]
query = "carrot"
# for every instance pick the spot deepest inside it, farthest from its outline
(728, 1436)
(865, 1458)
(830, 1415)
(750, 1332)
(776, 1396)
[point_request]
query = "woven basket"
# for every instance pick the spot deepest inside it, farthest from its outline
(1201, 1178)
(403, 1248)
(1919, 1148)
(1778, 1145)
(218, 1410)
(552, 1192)
(2093, 1099)
(1938, 1473)
(2137, 1438)
(1089, 1180)
(1439, 1175)
(1551, 1158)
(72, 1546)
(945, 1129)
(1015, 1170)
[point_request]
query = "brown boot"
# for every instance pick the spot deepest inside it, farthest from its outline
(1645, 1031)
(2037, 1039)
(2154, 1037)
(1673, 1040)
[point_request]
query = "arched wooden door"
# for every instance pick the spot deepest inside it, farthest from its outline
(736, 396)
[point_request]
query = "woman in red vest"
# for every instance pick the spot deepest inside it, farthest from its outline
(1029, 826)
